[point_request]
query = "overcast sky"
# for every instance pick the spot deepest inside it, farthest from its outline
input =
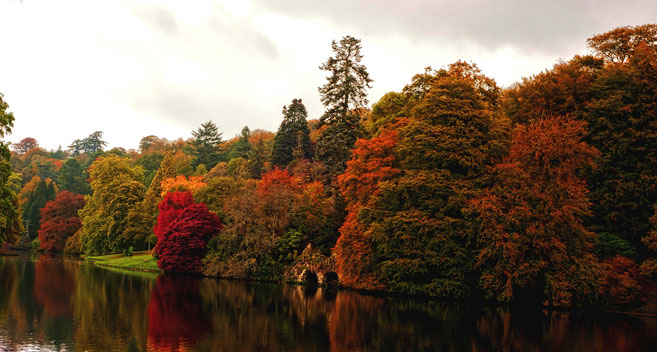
(136, 68)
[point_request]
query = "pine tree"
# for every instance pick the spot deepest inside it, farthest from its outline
(257, 157)
(242, 147)
(73, 178)
(344, 92)
(44, 193)
(293, 135)
(204, 145)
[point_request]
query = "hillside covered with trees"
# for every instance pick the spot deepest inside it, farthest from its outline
(452, 187)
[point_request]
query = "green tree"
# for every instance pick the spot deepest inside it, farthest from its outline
(44, 193)
(257, 158)
(621, 116)
(10, 220)
(242, 147)
(150, 163)
(412, 226)
(73, 178)
(117, 188)
(344, 92)
(93, 144)
(204, 146)
(293, 135)
(390, 107)
(141, 219)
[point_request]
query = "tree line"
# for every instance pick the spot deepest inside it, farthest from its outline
(452, 187)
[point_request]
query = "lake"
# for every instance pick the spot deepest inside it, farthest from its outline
(48, 303)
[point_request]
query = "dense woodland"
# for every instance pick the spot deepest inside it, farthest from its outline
(452, 187)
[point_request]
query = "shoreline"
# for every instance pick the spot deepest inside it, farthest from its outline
(109, 261)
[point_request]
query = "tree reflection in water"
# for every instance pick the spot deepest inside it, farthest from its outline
(57, 304)
(175, 316)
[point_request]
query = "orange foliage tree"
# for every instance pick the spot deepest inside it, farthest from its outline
(371, 163)
(181, 184)
(532, 241)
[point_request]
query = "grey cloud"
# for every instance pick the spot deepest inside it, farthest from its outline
(242, 33)
(543, 26)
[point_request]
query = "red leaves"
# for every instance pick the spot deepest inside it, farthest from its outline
(621, 281)
(531, 230)
(183, 230)
(175, 315)
(59, 220)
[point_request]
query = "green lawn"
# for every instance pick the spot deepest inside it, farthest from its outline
(141, 261)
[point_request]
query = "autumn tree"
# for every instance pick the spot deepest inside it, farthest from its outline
(10, 219)
(414, 224)
(614, 91)
(620, 44)
(564, 90)
(183, 230)
(59, 220)
(181, 184)
(257, 159)
(649, 266)
(148, 143)
(117, 187)
(293, 134)
(142, 217)
(204, 145)
(532, 239)
(25, 145)
(371, 163)
(344, 91)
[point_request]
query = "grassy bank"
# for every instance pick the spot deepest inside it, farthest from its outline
(139, 261)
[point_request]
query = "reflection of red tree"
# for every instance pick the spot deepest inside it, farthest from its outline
(53, 286)
(351, 321)
(175, 316)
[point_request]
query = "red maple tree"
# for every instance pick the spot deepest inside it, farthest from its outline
(59, 220)
(183, 230)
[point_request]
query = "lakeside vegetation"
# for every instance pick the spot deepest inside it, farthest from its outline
(542, 193)
(140, 261)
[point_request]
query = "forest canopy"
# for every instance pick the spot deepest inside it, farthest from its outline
(451, 187)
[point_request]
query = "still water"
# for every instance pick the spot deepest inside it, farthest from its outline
(52, 304)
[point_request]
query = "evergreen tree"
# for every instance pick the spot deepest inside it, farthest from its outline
(293, 135)
(257, 157)
(406, 194)
(93, 144)
(344, 92)
(204, 145)
(73, 178)
(44, 193)
(242, 147)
